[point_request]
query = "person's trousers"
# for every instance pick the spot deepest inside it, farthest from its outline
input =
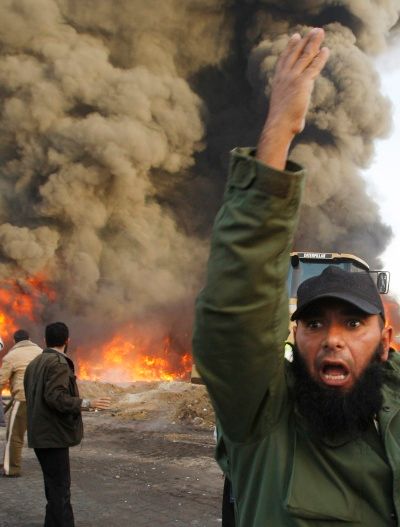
(57, 484)
(2, 420)
(16, 428)
(228, 506)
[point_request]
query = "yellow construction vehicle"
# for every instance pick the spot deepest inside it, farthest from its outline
(304, 265)
(307, 264)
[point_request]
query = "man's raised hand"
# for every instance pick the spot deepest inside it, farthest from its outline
(297, 68)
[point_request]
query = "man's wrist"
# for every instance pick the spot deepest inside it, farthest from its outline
(273, 145)
(85, 404)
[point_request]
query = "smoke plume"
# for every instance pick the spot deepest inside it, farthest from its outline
(116, 119)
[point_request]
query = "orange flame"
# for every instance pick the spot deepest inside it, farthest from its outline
(134, 358)
(21, 302)
(128, 356)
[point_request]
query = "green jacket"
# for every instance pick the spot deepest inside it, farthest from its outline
(280, 475)
(53, 402)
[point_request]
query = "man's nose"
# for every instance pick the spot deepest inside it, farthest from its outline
(333, 338)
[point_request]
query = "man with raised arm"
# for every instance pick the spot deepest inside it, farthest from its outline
(314, 442)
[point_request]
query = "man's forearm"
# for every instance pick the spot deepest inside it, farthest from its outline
(292, 85)
(273, 146)
(242, 313)
(57, 396)
(5, 374)
(63, 402)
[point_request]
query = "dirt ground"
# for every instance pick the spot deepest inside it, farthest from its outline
(146, 462)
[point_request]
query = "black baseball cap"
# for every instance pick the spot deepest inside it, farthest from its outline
(334, 282)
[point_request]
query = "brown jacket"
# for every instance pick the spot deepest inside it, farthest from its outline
(14, 366)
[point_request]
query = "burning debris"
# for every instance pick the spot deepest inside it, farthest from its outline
(22, 303)
(111, 136)
(131, 356)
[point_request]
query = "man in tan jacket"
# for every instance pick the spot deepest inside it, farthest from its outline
(12, 372)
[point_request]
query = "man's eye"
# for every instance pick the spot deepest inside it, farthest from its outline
(354, 323)
(314, 324)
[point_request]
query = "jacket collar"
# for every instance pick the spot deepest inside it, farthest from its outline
(23, 343)
(69, 361)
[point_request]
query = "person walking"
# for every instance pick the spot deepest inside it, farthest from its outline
(12, 372)
(55, 421)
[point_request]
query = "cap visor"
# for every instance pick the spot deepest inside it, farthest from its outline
(361, 304)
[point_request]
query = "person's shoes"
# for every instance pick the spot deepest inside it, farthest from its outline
(11, 475)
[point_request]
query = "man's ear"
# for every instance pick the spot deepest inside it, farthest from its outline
(386, 339)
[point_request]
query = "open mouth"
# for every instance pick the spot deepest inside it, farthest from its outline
(334, 373)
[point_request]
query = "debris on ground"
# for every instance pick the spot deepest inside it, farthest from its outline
(169, 402)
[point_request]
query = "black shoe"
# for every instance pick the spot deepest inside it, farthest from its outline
(11, 475)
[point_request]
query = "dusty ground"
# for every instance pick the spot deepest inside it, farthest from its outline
(147, 462)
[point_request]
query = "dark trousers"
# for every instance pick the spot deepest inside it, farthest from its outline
(2, 420)
(228, 506)
(57, 483)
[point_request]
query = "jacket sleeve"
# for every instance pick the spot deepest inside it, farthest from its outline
(242, 313)
(5, 372)
(56, 389)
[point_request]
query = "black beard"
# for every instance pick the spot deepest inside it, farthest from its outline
(331, 413)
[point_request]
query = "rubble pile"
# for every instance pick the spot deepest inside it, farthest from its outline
(164, 402)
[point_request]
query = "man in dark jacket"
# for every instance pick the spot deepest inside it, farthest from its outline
(55, 421)
(313, 442)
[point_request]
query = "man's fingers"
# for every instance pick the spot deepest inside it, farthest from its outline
(101, 403)
(303, 46)
(310, 50)
(288, 51)
(316, 66)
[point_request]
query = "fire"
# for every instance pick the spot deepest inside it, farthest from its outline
(392, 312)
(22, 302)
(130, 356)
(40, 285)
(21, 305)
